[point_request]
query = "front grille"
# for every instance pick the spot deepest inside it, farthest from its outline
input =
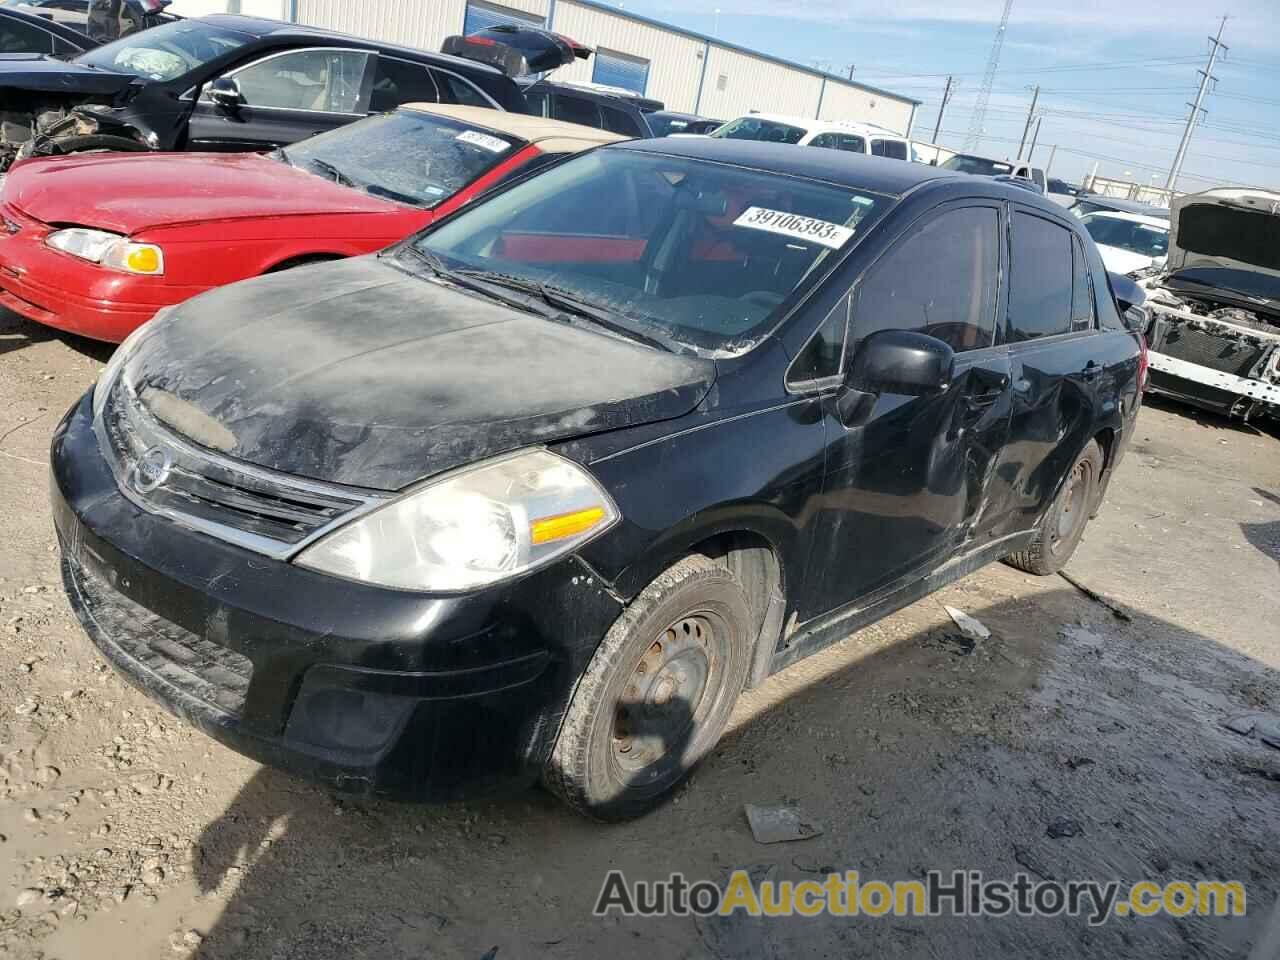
(1211, 350)
(213, 674)
(260, 509)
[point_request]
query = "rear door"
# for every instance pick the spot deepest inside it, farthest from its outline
(287, 96)
(904, 487)
(1050, 331)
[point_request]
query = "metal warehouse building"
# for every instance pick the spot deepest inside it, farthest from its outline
(688, 71)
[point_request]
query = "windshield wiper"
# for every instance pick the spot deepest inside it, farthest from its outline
(328, 168)
(569, 303)
(378, 190)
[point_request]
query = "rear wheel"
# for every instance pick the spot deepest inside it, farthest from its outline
(1062, 526)
(657, 693)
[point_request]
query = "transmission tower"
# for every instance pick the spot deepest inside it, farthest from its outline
(993, 62)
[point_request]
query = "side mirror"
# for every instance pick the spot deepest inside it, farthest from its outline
(225, 92)
(900, 361)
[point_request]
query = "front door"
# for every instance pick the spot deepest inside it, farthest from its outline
(905, 486)
(287, 97)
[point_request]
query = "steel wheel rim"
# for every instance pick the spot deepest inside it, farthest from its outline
(1073, 505)
(671, 688)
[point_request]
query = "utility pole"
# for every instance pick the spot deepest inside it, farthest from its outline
(851, 66)
(1049, 166)
(1205, 76)
(1034, 137)
(1030, 115)
(979, 118)
(946, 96)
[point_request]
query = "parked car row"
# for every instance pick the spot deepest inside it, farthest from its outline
(578, 438)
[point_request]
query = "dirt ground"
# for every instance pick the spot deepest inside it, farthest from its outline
(125, 834)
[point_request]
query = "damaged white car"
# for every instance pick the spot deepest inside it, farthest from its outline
(1214, 307)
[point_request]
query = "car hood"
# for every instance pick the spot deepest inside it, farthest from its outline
(43, 74)
(358, 372)
(1231, 228)
(1120, 260)
(129, 192)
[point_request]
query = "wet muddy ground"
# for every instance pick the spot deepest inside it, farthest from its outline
(1071, 744)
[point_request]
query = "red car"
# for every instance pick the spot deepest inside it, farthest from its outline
(96, 243)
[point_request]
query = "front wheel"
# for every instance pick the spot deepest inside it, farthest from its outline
(657, 693)
(1062, 526)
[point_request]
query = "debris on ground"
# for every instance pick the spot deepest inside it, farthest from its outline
(1117, 611)
(1064, 827)
(779, 824)
(1265, 726)
(971, 628)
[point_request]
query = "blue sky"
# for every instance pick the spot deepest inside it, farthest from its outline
(1115, 75)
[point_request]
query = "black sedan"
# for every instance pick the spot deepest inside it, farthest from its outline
(538, 492)
(227, 83)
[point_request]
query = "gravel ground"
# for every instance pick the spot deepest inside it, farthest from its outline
(125, 834)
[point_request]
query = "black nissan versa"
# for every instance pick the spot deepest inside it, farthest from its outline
(538, 492)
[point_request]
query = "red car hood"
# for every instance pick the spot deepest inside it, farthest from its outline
(127, 193)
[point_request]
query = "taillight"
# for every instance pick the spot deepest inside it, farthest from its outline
(1142, 361)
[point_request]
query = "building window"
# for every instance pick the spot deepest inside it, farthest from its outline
(482, 15)
(620, 70)
(722, 81)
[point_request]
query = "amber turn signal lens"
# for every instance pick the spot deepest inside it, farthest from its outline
(143, 259)
(564, 525)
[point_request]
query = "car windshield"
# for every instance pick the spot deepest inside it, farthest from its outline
(976, 165)
(410, 156)
(755, 128)
(167, 51)
(1146, 239)
(700, 256)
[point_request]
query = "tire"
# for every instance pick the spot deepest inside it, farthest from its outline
(656, 695)
(1059, 531)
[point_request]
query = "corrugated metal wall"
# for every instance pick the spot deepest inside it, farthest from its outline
(737, 83)
(674, 59)
(843, 102)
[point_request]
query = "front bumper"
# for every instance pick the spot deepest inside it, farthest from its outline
(57, 290)
(368, 690)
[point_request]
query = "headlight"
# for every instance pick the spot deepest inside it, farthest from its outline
(478, 526)
(109, 249)
(116, 363)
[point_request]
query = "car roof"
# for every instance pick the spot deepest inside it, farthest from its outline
(1129, 217)
(855, 170)
(552, 136)
(262, 27)
(1128, 206)
(812, 125)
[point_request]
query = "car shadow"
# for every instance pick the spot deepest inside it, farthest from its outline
(1265, 536)
(17, 333)
(932, 752)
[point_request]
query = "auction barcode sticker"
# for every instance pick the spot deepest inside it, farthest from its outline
(482, 140)
(793, 225)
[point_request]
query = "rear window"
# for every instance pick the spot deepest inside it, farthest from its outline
(893, 149)
(755, 128)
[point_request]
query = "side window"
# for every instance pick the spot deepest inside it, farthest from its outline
(575, 110)
(536, 103)
(825, 140)
(18, 37)
(619, 121)
(328, 81)
(398, 81)
(840, 141)
(64, 50)
(940, 279)
(894, 149)
(821, 356)
(454, 89)
(1081, 291)
(1040, 278)
(877, 147)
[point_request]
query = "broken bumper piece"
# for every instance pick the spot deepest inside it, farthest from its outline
(367, 690)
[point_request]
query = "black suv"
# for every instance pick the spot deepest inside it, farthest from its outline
(603, 109)
(539, 491)
(226, 83)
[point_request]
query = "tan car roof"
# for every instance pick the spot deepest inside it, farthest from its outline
(551, 136)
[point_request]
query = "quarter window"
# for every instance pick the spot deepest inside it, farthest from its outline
(848, 142)
(575, 110)
(820, 357)
(1040, 279)
(619, 121)
(939, 280)
(18, 37)
(326, 81)
(1081, 291)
